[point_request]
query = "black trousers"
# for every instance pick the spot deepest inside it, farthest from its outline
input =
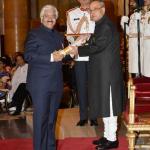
(81, 72)
(19, 96)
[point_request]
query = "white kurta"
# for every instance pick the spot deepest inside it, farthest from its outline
(79, 22)
(110, 123)
(20, 76)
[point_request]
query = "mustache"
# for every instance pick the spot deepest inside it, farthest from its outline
(50, 21)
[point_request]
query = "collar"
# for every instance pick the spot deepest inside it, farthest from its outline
(47, 29)
(84, 9)
(101, 20)
(22, 65)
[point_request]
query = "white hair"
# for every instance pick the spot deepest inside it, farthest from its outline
(48, 7)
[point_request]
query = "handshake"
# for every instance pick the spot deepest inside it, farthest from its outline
(71, 50)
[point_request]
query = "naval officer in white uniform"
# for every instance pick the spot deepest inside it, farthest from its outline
(131, 29)
(78, 22)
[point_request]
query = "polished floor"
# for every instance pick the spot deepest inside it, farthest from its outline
(21, 126)
(14, 127)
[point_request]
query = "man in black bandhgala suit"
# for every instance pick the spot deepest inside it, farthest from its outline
(105, 85)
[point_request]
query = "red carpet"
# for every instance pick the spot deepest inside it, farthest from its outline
(66, 144)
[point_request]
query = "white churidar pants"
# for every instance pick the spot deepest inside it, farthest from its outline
(110, 123)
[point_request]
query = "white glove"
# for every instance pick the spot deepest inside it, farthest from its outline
(124, 19)
(137, 16)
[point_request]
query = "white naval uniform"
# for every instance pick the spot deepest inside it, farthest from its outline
(74, 25)
(133, 44)
(20, 76)
(78, 22)
(144, 44)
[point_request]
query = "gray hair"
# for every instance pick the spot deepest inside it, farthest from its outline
(102, 3)
(48, 7)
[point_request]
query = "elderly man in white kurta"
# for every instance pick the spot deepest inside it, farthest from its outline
(132, 32)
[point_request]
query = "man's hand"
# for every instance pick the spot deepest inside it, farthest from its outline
(81, 40)
(5, 79)
(73, 50)
(57, 56)
(84, 36)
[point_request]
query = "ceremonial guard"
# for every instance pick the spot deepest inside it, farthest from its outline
(146, 41)
(132, 31)
(78, 22)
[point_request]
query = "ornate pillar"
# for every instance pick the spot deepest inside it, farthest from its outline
(110, 10)
(34, 9)
(16, 25)
(1, 17)
(1, 26)
(63, 8)
(122, 7)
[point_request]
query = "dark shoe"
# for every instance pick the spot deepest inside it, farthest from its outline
(16, 113)
(10, 105)
(108, 145)
(82, 122)
(94, 123)
(100, 141)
